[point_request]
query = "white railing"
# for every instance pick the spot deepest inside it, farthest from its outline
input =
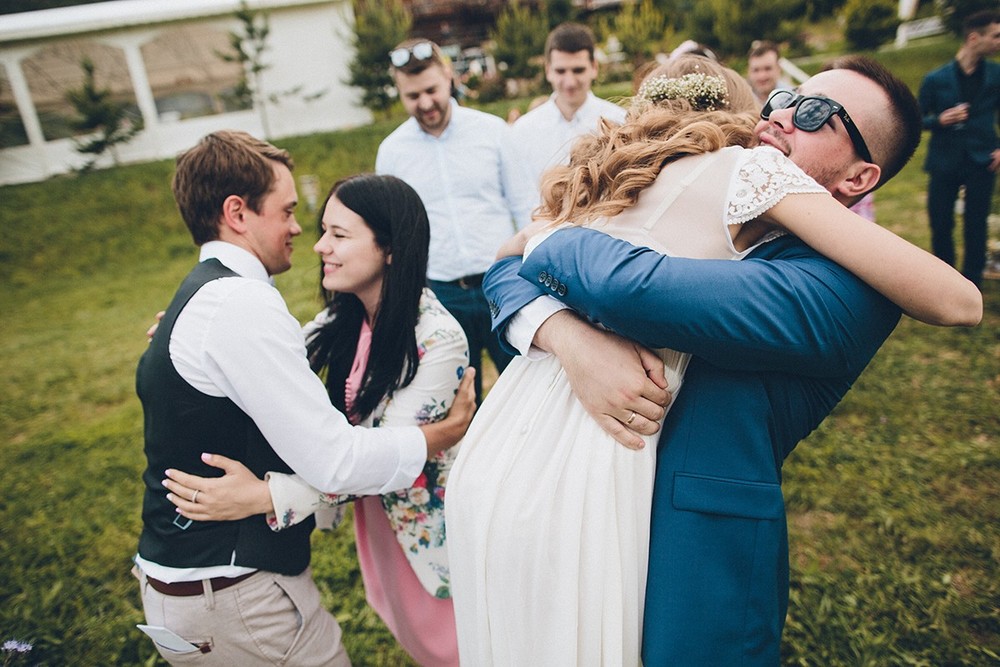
(918, 28)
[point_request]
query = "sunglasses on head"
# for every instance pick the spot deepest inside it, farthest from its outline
(812, 112)
(419, 51)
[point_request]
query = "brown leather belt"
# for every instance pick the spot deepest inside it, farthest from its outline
(189, 588)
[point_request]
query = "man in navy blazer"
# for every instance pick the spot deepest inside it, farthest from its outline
(960, 102)
(777, 340)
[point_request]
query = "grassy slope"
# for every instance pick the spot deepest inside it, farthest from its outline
(893, 502)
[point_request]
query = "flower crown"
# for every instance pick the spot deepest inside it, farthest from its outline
(704, 92)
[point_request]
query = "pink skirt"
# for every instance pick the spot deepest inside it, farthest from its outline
(423, 624)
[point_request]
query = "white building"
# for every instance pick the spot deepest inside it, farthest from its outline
(162, 56)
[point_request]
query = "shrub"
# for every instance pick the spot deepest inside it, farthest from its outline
(870, 23)
(109, 122)
(519, 39)
(641, 29)
(491, 89)
(247, 49)
(729, 26)
(379, 25)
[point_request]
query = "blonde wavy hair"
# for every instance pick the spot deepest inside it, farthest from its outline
(608, 170)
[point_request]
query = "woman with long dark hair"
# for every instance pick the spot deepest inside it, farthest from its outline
(373, 247)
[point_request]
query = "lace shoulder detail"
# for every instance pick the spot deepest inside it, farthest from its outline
(761, 181)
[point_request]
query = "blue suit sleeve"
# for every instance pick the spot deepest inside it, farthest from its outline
(507, 293)
(786, 309)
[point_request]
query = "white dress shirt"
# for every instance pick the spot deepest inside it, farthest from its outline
(472, 183)
(525, 323)
(236, 338)
(545, 137)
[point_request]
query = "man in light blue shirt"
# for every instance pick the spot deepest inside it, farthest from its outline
(546, 134)
(464, 167)
(764, 70)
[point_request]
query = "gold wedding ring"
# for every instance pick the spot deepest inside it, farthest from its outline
(630, 419)
(194, 496)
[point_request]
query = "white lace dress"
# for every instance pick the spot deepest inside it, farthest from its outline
(547, 516)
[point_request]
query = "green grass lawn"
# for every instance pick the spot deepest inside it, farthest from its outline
(894, 503)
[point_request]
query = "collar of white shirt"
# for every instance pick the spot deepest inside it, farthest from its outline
(236, 258)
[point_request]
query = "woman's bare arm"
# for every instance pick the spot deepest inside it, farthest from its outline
(926, 288)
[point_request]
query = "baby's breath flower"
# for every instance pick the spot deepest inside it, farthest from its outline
(702, 91)
(12, 650)
(15, 646)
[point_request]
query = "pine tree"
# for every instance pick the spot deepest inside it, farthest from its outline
(379, 25)
(520, 38)
(247, 49)
(107, 122)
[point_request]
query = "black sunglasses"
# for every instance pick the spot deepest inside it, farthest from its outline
(812, 112)
(419, 51)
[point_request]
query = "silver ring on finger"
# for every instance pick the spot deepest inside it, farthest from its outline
(194, 496)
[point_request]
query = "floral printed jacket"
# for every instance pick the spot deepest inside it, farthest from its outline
(416, 514)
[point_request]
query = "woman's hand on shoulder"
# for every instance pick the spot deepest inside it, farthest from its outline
(515, 245)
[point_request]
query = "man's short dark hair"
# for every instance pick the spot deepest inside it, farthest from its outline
(898, 135)
(570, 38)
(979, 21)
(222, 164)
(761, 47)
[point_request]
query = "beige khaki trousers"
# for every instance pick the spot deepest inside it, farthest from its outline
(268, 619)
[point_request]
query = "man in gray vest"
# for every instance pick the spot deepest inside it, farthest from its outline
(226, 372)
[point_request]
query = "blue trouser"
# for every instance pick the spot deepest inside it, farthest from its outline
(942, 191)
(468, 305)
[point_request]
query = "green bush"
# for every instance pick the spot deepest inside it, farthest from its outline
(519, 41)
(107, 122)
(641, 29)
(729, 26)
(379, 25)
(818, 9)
(491, 89)
(870, 23)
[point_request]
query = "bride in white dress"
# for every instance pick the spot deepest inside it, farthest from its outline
(547, 516)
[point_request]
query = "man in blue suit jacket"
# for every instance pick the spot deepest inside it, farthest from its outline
(777, 340)
(960, 102)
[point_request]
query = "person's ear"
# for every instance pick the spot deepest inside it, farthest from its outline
(234, 210)
(860, 178)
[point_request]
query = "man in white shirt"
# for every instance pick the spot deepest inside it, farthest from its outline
(226, 372)
(764, 70)
(546, 134)
(464, 167)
